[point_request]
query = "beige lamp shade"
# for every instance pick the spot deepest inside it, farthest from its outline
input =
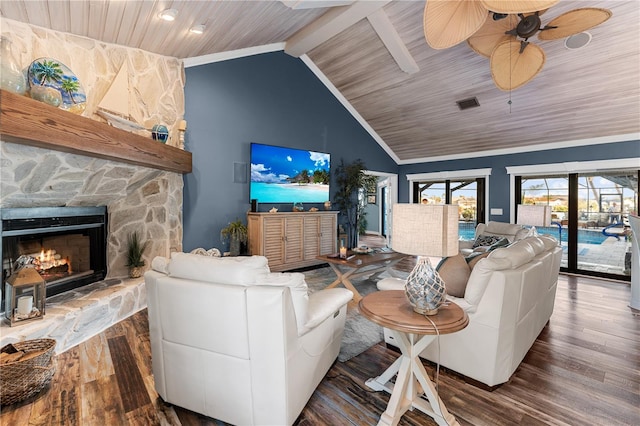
(425, 230)
(491, 34)
(574, 22)
(447, 23)
(517, 6)
(534, 215)
(511, 69)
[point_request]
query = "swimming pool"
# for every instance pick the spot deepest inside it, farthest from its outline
(466, 231)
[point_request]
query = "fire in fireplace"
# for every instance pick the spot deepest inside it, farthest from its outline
(66, 245)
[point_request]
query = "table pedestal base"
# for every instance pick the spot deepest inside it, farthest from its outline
(358, 271)
(413, 388)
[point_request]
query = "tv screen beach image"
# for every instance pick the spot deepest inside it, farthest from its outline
(287, 175)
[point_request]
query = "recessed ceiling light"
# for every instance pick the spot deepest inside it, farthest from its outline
(197, 29)
(577, 41)
(169, 14)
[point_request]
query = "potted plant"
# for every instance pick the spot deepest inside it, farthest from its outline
(351, 181)
(135, 251)
(236, 232)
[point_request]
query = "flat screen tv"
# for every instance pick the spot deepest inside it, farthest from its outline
(287, 175)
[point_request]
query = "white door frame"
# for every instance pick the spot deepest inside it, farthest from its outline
(391, 183)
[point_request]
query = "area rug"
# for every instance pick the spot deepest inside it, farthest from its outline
(359, 333)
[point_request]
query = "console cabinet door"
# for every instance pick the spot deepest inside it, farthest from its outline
(293, 239)
(328, 234)
(273, 240)
(311, 237)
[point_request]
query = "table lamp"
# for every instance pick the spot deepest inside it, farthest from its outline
(534, 215)
(425, 230)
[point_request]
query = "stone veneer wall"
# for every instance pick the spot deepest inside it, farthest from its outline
(137, 198)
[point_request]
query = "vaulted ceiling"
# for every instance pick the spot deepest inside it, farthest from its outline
(375, 54)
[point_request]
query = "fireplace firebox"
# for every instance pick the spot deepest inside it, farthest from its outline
(66, 245)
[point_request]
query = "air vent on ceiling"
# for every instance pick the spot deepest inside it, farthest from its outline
(468, 103)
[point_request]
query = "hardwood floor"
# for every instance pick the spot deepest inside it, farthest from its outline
(584, 369)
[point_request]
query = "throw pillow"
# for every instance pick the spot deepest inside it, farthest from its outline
(455, 272)
(473, 259)
(486, 240)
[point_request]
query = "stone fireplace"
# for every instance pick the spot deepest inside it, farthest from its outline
(137, 195)
(65, 245)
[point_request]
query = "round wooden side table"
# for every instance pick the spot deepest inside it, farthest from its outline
(412, 333)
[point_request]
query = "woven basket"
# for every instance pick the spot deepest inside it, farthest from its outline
(23, 379)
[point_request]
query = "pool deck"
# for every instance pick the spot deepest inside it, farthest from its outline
(607, 257)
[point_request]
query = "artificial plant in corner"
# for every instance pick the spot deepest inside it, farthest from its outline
(236, 233)
(135, 253)
(352, 184)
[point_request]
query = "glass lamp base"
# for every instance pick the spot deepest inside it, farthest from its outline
(424, 288)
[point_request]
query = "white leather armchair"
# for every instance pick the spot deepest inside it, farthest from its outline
(235, 342)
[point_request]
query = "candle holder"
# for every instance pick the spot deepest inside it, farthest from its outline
(343, 251)
(25, 295)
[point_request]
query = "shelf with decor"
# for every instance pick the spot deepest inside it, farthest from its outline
(29, 122)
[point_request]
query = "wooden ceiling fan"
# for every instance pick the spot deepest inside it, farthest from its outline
(500, 30)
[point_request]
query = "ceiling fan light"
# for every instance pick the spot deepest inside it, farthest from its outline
(197, 29)
(168, 14)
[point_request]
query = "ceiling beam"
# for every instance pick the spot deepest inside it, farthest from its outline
(330, 24)
(391, 39)
(313, 4)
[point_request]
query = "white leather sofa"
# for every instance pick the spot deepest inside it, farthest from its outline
(233, 341)
(509, 298)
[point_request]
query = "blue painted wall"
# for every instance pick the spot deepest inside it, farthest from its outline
(499, 179)
(270, 98)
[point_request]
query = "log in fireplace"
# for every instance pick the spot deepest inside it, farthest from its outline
(66, 245)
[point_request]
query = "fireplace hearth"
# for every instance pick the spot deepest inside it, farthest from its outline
(66, 245)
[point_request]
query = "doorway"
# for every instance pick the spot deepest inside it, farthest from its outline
(379, 221)
(590, 217)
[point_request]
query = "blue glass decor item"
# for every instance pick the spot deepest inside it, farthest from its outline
(160, 133)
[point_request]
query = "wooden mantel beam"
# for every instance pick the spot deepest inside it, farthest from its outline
(26, 121)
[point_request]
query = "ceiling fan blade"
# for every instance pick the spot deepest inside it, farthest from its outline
(491, 34)
(447, 23)
(517, 6)
(511, 69)
(574, 22)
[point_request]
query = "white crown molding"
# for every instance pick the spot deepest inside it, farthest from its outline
(450, 174)
(232, 54)
(575, 167)
(541, 147)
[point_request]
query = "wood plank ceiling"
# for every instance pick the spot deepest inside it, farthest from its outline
(592, 92)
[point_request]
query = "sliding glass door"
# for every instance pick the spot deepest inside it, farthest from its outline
(589, 217)
(468, 194)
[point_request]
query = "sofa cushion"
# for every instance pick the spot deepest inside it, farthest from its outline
(548, 241)
(241, 270)
(516, 255)
(473, 258)
(455, 272)
(502, 229)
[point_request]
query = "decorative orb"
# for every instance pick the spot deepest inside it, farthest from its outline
(160, 133)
